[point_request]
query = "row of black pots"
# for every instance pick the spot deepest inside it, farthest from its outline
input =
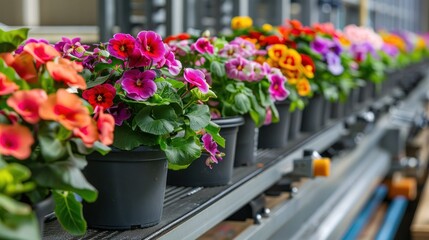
(132, 184)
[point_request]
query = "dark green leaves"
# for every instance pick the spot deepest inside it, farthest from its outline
(69, 212)
(128, 139)
(199, 116)
(217, 68)
(157, 120)
(181, 152)
(10, 40)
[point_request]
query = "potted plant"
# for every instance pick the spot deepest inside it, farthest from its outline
(46, 131)
(161, 120)
(244, 87)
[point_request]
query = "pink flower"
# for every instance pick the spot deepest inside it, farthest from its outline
(151, 45)
(235, 68)
(268, 116)
(277, 87)
(139, 85)
(121, 45)
(203, 45)
(72, 46)
(27, 103)
(196, 78)
(136, 59)
(16, 141)
(41, 52)
(88, 134)
(174, 66)
(7, 86)
(211, 147)
(106, 126)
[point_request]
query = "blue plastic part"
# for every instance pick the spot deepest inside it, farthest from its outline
(392, 219)
(364, 216)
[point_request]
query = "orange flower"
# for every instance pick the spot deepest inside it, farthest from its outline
(66, 71)
(303, 87)
(7, 58)
(7, 86)
(88, 133)
(24, 66)
(26, 103)
(241, 22)
(308, 67)
(65, 108)
(41, 52)
(16, 141)
(290, 61)
(277, 51)
(106, 125)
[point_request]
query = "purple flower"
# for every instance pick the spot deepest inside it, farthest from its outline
(334, 63)
(139, 85)
(92, 60)
(336, 47)
(390, 50)
(203, 45)
(150, 45)
(30, 40)
(360, 51)
(120, 113)
(277, 88)
(71, 46)
(230, 50)
(211, 147)
(238, 68)
(320, 45)
(196, 78)
(121, 45)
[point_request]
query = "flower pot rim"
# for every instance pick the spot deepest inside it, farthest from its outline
(119, 155)
(226, 122)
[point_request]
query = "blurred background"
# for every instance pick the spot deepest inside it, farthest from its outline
(97, 20)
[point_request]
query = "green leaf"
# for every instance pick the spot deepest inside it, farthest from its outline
(64, 176)
(157, 120)
(69, 212)
(10, 40)
(203, 96)
(175, 83)
(242, 103)
(213, 129)
(12, 206)
(128, 139)
(199, 116)
(217, 68)
(97, 81)
(51, 147)
(181, 152)
(47, 82)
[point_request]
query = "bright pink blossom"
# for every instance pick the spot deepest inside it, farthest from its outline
(277, 87)
(27, 103)
(15, 141)
(211, 147)
(121, 45)
(151, 45)
(196, 78)
(203, 45)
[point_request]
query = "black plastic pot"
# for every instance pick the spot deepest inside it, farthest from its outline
(247, 143)
(198, 174)
(337, 110)
(327, 105)
(131, 188)
(312, 114)
(43, 209)
(275, 135)
(366, 92)
(295, 124)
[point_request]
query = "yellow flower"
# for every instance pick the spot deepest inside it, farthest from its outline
(277, 51)
(420, 44)
(290, 61)
(303, 87)
(241, 22)
(267, 27)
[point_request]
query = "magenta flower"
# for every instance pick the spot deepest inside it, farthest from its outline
(238, 68)
(203, 45)
(196, 78)
(71, 46)
(150, 45)
(136, 59)
(211, 147)
(120, 113)
(174, 66)
(268, 116)
(121, 45)
(320, 45)
(277, 88)
(139, 85)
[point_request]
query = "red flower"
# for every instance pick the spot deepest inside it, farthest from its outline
(178, 37)
(100, 95)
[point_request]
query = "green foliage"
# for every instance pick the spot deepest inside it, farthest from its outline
(69, 212)
(10, 40)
